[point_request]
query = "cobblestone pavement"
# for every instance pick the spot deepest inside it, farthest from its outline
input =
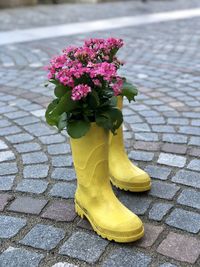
(38, 224)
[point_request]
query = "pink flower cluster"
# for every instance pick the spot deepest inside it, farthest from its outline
(80, 91)
(93, 65)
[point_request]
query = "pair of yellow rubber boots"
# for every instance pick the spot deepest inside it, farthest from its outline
(98, 158)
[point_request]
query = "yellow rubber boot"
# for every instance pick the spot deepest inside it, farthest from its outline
(123, 173)
(94, 196)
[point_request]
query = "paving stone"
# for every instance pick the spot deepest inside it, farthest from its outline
(27, 205)
(189, 198)
(35, 157)
(6, 182)
(171, 160)
(187, 178)
(6, 156)
(138, 204)
(18, 257)
(175, 138)
(174, 148)
(161, 173)
(155, 120)
(189, 130)
(10, 226)
(167, 264)
(194, 141)
(180, 247)
(27, 147)
(62, 161)
(140, 127)
(3, 145)
(32, 186)
(84, 246)
(127, 256)
(17, 114)
(63, 174)
(149, 113)
(185, 220)
(146, 136)
(163, 129)
(8, 168)
(60, 211)
(36, 171)
(163, 190)
(4, 123)
(43, 236)
(63, 190)
(178, 121)
(194, 152)
(159, 210)
(4, 200)
(152, 232)
(84, 223)
(27, 120)
(39, 129)
(141, 155)
(52, 139)
(9, 130)
(64, 264)
(194, 165)
(58, 149)
(148, 146)
(19, 138)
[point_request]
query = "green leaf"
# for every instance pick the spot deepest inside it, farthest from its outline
(93, 99)
(116, 118)
(49, 118)
(77, 129)
(62, 122)
(60, 90)
(113, 101)
(129, 91)
(54, 81)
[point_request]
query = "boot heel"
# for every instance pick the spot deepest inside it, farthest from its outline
(79, 210)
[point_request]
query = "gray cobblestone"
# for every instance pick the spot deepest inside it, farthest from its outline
(63, 174)
(185, 220)
(146, 136)
(39, 129)
(18, 257)
(138, 204)
(172, 160)
(10, 226)
(194, 165)
(52, 139)
(195, 141)
(4, 123)
(3, 145)
(27, 147)
(84, 246)
(189, 198)
(64, 190)
(15, 115)
(27, 120)
(6, 182)
(6, 156)
(159, 210)
(19, 138)
(43, 237)
(161, 173)
(36, 157)
(189, 130)
(32, 186)
(175, 138)
(163, 190)
(8, 168)
(187, 178)
(58, 149)
(62, 161)
(163, 129)
(9, 130)
(36, 171)
(141, 155)
(121, 256)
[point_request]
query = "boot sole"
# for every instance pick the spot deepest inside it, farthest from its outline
(129, 188)
(83, 214)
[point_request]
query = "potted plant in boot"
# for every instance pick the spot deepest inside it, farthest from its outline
(87, 87)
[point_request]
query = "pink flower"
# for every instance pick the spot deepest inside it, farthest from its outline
(80, 91)
(117, 86)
